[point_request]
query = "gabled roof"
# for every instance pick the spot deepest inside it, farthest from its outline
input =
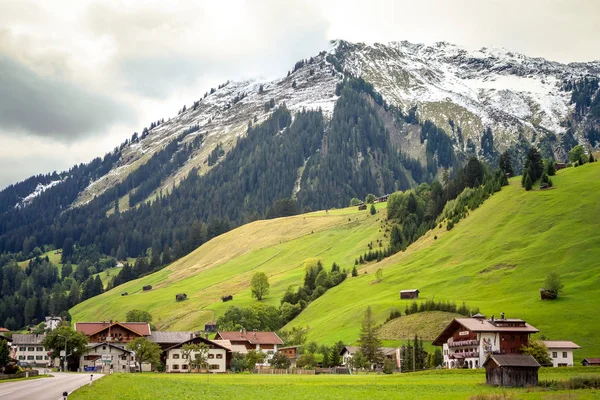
(560, 344)
(409, 291)
(92, 346)
(91, 328)
(482, 325)
(592, 360)
(199, 339)
(4, 330)
(31, 338)
(513, 360)
(353, 349)
(250, 337)
(170, 337)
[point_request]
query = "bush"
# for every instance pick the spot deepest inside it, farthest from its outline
(394, 313)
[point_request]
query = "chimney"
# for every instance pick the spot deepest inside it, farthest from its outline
(492, 317)
(502, 315)
(244, 331)
(205, 335)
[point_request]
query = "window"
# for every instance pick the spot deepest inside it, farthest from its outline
(21, 348)
(30, 357)
(184, 366)
(31, 349)
(211, 356)
(564, 354)
(45, 357)
(39, 349)
(175, 366)
(554, 354)
(21, 357)
(213, 366)
(103, 347)
(219, 356)
(39, 357)
(124, 358)
(175, 356)
(185, 356)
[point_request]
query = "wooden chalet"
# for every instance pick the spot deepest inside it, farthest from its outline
(113, 332)
(467, 342)
(291, 352)
(362, 207)
(382, 199)
(409, 294)
(511, 370)
(558, 166)
(243, 341)
(591, 362)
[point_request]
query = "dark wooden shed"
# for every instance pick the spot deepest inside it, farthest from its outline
(362, 207)
(591, 362)
(511, 370)
(409, 294)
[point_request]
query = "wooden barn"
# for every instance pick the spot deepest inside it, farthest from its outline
(362, 207)
(558, 166)
(511, 370)
(591, 362)
(409, 294)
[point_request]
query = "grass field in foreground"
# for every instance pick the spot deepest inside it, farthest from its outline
(441, 384)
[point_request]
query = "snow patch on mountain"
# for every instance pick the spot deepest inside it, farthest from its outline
(40, 188)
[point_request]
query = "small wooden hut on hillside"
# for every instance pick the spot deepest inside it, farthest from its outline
(511, 370)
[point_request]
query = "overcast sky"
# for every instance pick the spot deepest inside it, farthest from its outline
(79, 77)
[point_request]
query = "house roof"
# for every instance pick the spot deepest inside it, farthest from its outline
(198, 339)
(30, 338)
(91, 328)
(513, 360)
(250, 337)
(560, 344)
(170, 337)
(482, 325)
(592, 360)
(4, 330)
(225, 343)
(288, 347)
(409, 291)
(92, 346)
(353, 349)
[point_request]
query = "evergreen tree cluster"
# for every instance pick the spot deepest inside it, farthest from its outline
(413, 356)
(28, 295)
(432, 305)
(533, 169)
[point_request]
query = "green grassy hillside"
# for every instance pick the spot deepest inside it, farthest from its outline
(225, 266)
(495, 259)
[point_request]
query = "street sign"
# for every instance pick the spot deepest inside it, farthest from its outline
(106, 357)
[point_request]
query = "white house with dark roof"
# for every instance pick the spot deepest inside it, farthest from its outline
(561, 352)
(217, 361)
(29, 348)
(467, 342)
(107, 356)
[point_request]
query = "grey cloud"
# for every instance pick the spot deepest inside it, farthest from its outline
(159, 51)
(50, 107)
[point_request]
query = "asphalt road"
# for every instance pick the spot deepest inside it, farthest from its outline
(44, 388)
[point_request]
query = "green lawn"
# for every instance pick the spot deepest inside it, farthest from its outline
(442, 384)
(496, 259)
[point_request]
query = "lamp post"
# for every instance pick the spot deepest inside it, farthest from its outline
(65, 360)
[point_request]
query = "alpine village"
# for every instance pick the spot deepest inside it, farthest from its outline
(387, 220)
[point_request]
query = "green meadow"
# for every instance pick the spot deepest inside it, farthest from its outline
(438, 384)
(496, 259)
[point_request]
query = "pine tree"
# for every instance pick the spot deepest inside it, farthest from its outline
(528, 183)
(74, 294)
(166, 255)
(354, 271)
(370, 345)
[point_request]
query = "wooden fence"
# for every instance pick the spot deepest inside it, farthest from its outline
(290, 371)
